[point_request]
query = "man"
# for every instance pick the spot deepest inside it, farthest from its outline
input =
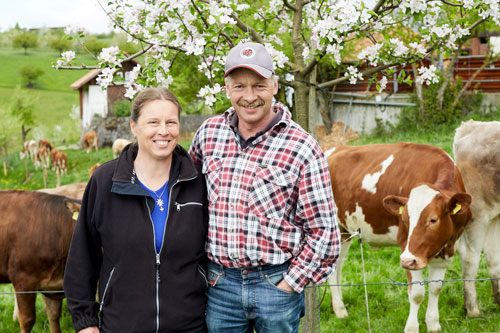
(273, 226)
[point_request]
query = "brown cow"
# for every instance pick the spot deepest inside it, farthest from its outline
(53, 153)
(61, 162)
(44, 143)
(90, 141)
(93, 168)
(476, 148)
(407, 195)
(35, 234)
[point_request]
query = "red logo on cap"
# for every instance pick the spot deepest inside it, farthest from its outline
(247, 52)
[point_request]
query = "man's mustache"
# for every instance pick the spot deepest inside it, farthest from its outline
(251, 105)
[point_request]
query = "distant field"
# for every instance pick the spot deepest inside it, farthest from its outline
(55, 99)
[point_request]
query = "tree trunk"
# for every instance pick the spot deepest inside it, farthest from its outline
(325, 111)
(301, 103)
(447, 78)
(418, 91)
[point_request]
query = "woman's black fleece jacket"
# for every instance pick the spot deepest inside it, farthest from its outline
(113, 247)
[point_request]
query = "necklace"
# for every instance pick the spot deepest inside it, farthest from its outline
(159, 200)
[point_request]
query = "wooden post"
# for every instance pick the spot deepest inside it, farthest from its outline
(58, 182)
(44, 176)
(26, 166)
(310, 323)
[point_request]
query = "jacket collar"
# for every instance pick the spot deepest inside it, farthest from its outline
(124, 176)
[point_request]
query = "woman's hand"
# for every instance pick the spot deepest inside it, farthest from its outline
(92, 329)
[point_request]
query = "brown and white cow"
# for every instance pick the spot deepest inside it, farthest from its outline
(407, 195)
(476, 148)
(73, 191)
(35, 234)
(90, 141)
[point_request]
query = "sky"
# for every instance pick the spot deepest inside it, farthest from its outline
(54, 13)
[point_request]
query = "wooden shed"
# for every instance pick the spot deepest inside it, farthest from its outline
(96, 101)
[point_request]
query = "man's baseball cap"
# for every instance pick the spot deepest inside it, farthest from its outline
(253, 56)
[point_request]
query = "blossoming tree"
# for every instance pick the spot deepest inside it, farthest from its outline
(299, 34)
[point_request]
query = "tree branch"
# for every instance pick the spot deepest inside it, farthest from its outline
(133, 56)
(289, 5)
(451, 3)
(367, 72)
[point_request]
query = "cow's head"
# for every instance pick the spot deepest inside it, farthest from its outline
(427, 222)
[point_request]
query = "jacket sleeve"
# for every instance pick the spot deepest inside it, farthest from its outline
(316, 214)
(83, 265)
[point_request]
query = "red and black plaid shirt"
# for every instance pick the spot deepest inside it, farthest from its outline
(269, 202)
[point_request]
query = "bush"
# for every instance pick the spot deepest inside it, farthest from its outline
(121, 108)
(469, 104)
(30, 74)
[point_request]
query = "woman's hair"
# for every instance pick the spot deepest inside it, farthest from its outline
(152, 94)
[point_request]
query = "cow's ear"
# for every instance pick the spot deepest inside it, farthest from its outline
(394, 204)
(459, 203)
(73, 208)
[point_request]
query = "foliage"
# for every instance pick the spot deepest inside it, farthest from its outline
(25, 40)
(60, 43)
(23, 107)
(30, 74)
(435, 116)
(121, 108)
(300, 35)
(94, 45)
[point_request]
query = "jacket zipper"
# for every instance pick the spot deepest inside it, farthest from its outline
(157, 265)
(104, 296)
(179, 205)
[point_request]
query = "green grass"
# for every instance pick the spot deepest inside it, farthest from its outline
(55, 100)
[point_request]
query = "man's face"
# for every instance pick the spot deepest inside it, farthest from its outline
(251, 96)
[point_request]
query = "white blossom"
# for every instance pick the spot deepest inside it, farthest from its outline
(353, 74)
(427, 75)
(382, 84)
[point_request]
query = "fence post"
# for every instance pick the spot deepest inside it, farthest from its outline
(310, 322)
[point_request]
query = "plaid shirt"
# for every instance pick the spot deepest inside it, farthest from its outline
(269, 202)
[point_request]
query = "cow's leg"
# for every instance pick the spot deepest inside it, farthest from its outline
(416, 294)
(15, 314)
(53, 310)
(469, 248)
(335, 279)
(437, 270)
(27, 312)
(491, 254)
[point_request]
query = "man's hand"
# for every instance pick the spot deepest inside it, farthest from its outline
(283, 285)
(92, 329)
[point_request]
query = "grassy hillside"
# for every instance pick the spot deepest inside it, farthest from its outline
(55, 115)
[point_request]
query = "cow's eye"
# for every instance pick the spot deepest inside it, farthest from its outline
(434, 219)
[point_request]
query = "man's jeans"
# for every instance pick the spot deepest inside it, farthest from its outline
(241, 300)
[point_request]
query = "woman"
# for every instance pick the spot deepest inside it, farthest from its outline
(141, 233)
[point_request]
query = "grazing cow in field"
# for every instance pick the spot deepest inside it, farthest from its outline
(61, 162)
(35, 234)
(73, 191)
(90, 141)
(53, 153)
(476, 148)
(29, 149)
(42, 157)
(406, 195)
(118, 146)
(44, 143)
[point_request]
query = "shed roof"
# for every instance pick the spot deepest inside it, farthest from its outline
(85, 79)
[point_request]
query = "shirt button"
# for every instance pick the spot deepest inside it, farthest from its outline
(231, 204)
(230, 230)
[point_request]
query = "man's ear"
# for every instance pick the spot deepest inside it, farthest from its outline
(394, 204)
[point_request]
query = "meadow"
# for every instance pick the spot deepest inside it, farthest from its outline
(388, 304)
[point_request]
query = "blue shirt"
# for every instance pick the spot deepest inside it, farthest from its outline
(158, 216)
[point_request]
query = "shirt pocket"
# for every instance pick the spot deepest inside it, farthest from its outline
(211, 170)
(271, 190)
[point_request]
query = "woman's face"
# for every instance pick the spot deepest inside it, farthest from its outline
(157, 129)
